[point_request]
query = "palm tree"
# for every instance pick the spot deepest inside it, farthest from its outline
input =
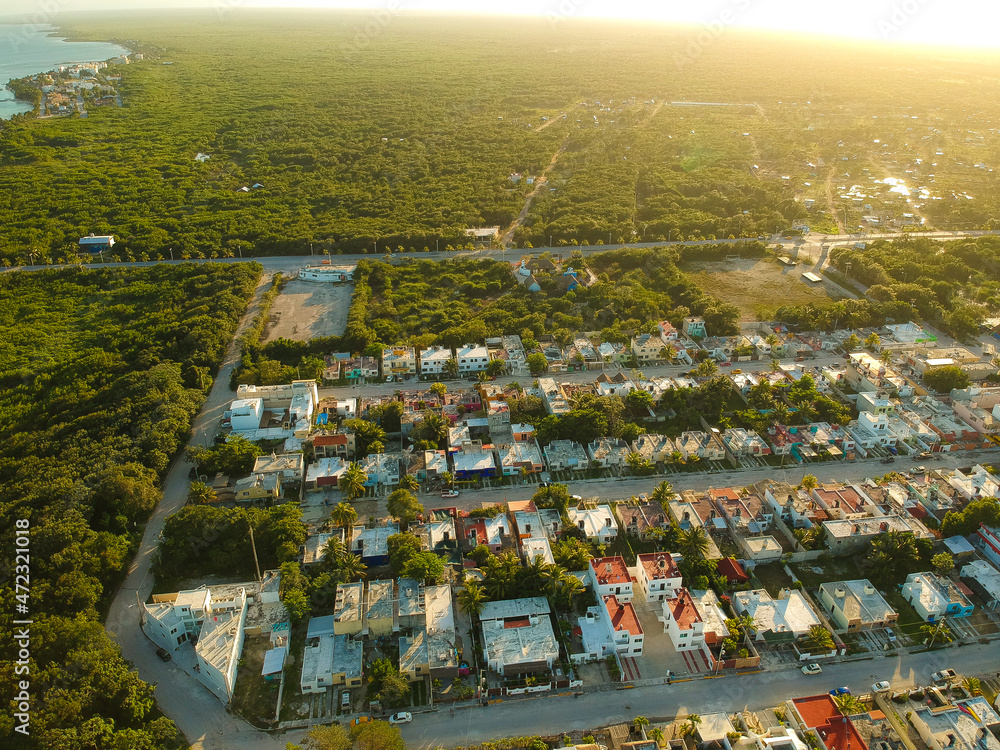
(642, 722)
(693, 542)
(872, 341)
(351, 568)
(848, 704)
(662, 493)
(409, 482)
(569, 586)
(345, 516)
(333, 552)
(939, 632)
(376, 446)
(201, 494)
(973, 685)
(451, 368)
(656, 734)
(352, 483)
(810, 482)
(434, 427)
(448, 479)
(471, 599)
(818, 639)
(690, 725)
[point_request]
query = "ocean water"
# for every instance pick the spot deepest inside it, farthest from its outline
(36, 48)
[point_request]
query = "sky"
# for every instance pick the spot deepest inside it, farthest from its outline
(965, 23)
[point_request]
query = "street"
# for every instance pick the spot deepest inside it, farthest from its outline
(553, 715)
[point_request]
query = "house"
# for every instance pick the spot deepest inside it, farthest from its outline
(648, 348)
(315, 547)
(325, 472)
(245, 415)
(257, 487)
(614, 353)
(856, 605)
(776, 620)
(936, 598)
(682, 621)
(381, 469)
(540, 265)
(656, 576)
(518, 636)
(473, 460)
(741, 443)
(472, 358)
(518, 456)
(372, 544)
(553, 397)
(329, 659)
(333, 444)
(399, 361)
(984, 580)
(598, 524)
(819, 713)
(987, 539)
(694, 327)
(747, 514)
(732, 570)
(290, 467)
(433, 360)
(639, 520)
(437, 532)
(608, 452)
(380, 617)
(566, 455)
(492, 531)
(609, 575)
(610, 628)
(483, 234)
(871, 431)
(844, 537)
(966, 724)
(654, 448)
(431, 647)
(348, 610)
(97, 243)
(844, 503)
(613, 385)
(705, 446)
(334, 274)
(713, 619)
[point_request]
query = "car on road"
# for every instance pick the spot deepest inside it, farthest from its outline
(727, 364)
(361, 720)
(163, 654)
(925, 454)
(812, 669)
(888, 459)
(944, 675)
(403, 717)
(345, 699)
(578, 498)
(449, 493)
(840, 691)
(881, 687)
(800, 359)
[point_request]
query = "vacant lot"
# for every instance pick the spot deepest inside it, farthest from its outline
(759, 287)
(309, 309)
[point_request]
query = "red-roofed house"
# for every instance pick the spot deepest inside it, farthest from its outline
(732, 570)
(657, 576)
(820, 714)
(844, 503)
(624, 625)
(610, 576)
(682, 622)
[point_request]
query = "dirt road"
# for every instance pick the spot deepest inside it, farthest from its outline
(543, 178)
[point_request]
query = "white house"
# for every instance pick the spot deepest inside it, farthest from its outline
(935, 598)
(598, 524)
(246, 414)
(785, 618)
(983, 579)
(611, 627)
(472, 358)
(518, 636)
(694, 327)
(608, 452)
(610, 575)
(433, 360)
(683, 622)
(656, 576)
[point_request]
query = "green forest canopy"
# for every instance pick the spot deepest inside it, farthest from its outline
(101, 372)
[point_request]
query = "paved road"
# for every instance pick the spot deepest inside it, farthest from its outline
(197, 712)
(564, 714)
(808, 244)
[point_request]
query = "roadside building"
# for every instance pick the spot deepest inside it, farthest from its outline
(518, 636)
(856, 605)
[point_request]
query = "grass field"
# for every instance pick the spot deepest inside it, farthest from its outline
(759, 287)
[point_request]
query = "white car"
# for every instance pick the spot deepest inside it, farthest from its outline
(812, 669)
(403, 717)
(881, 687)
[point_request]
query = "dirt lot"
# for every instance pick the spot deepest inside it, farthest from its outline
(309, 309)
(758, 287)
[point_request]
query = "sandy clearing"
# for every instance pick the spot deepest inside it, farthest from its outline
(309, 309)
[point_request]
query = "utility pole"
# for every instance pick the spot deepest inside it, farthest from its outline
(171, 254)
(253, 546)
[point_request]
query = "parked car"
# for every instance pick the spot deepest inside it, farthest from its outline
(921, 470)
(643, 497)
(578, 498)
(890, 635)
(840, 691)
(812, 669)
(543, 484)
(800, 359)
(727, 364)
(925, 454)
(881, 687)
(403, 717)
(944, 675)
(889, 459)
(345, 699)
(164, 654)
(361, 720)
(449, 493)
